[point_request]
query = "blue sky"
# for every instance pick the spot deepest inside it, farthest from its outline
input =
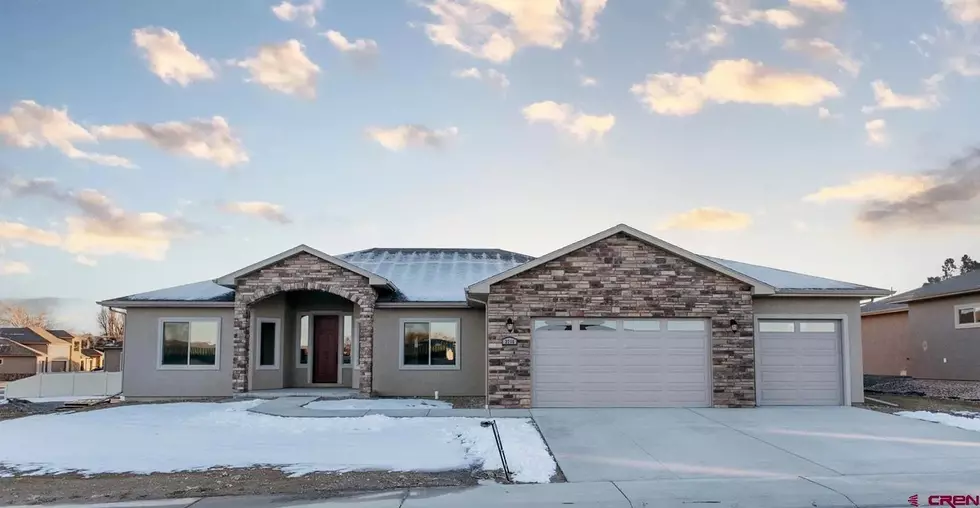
(749, 130)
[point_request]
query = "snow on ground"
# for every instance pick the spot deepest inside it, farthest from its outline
(195, 435)
(378, 404)
(963, 422)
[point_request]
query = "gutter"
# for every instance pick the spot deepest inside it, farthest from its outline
(914, 298)
(422, 305)
(486, 351)
(884, 311)
(123, 304)
(839, 293)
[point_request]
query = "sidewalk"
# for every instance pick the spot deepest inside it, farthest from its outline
(872, 491)
(294, 407)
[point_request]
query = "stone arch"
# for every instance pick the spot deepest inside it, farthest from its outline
(266, 292)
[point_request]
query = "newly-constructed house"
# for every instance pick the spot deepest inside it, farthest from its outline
(618, 319)
(932, 332)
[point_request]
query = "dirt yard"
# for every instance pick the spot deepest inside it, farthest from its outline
(919, 403)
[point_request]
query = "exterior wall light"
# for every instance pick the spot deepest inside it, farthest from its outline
(734, 325)
(509, 325)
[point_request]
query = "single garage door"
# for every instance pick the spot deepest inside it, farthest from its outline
(620, 363)
(799, 363)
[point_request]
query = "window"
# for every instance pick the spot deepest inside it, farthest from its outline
(348, 339)
(688, 325)
(77, 346)
(267, 342)
(552, 324)
(430, 344)
(597, 325)
(641, 325)
(777, 326)
(818, 327)
(304, 340)
(967, 316)
(189, 343)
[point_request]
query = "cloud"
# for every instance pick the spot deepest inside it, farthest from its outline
(169, 58)
(741, 81)
(87, 261)
(262, 209)
(886, 98)
(492, 76)
(952, 199)
(206, 139)
(362, 48)
(713, 36)
(17, 232)
(588, 81)
(284, 68)
(881, 186)
(589, 10)
(736, 12)
(825, 114)
(964, 66)
(708, 219)
(565, 117)
(31, 125)
(301, 13)
(827, 6)
(824, 50)
(404, 136)
(963, 11)
(876, 131)
(14, 268)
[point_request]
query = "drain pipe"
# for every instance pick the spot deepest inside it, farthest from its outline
(486, 351)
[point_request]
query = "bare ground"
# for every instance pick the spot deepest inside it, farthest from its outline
(919, 403)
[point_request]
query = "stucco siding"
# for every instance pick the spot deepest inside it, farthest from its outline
(470, 379)
(802, 306)
(112, 360)
(885, 341)
(939, 350)
(141, 376)
(266, 378)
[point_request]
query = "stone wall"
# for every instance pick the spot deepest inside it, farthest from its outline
(296, 273)
(621, 276)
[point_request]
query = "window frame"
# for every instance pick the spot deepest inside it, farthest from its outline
(217, 348)
(956, 316)
(277, 353)
(401, 344)
(355, 349)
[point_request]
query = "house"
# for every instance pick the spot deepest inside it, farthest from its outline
(57, 351)
(112, 358)
(91, 359)
(620, 318)
(77, 361)
(18, 361)
(932, 332)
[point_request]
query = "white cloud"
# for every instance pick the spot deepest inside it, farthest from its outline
(17, 232)
(886, 98)
(302, 13)
(565, 117)
(965, 66)
(824, 50)
(31, 125)
(828, 6)
(207, 139)
(741, 81)
(876, 131)
(404, 136)
(963, 11)
(713, 36)
(708, 219)
(284, 68)
(169, 58)
(825, 114)
(492, 76)
(14, 268)
(87, 261)
(737, 12)
(358, 47)
(881, 186)
(588, 81)
(262, 209)
(589, 10)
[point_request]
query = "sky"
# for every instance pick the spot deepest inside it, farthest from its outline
(150, 144)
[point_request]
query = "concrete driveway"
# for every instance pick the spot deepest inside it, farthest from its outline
(759, 443)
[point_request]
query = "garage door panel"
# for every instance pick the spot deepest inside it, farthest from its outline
(802, 367)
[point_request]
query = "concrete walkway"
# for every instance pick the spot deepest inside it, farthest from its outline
(292, 407)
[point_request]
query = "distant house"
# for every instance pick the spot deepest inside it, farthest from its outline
(57, 351)
(932, 332)
(112, 357)
(18, 361)
(91, 359)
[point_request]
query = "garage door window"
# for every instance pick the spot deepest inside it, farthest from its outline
(818, 327)
(429, 344)
(776, 327)
(552, 324)
(641, 325)
(687, 325)
(597, 325)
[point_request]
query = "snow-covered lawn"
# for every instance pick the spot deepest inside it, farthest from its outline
(962, 419)
(191, 436)
(378, 404)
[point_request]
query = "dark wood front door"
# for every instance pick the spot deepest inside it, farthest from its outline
(326, 339)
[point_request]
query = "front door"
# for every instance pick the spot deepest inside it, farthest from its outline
(326, 337)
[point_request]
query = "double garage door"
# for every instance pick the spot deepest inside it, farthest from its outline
(667, 363)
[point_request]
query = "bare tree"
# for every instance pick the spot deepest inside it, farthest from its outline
(110, 324)
(18, 316)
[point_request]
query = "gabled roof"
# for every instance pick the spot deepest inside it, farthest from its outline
(91, 353)
(62, 334)
(758, 287)
(10, 347)
(884, 306)
(204, 293)
(373, 278)
(793, 283)
(30, 335)
(965, 284)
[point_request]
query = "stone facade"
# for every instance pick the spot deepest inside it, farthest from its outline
(621, 276)
(303, 272)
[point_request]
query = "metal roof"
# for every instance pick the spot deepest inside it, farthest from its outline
(792, 282)
(204, 291)
(967, 283)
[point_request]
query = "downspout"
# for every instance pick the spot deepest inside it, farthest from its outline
(122, 354)
(486, 351)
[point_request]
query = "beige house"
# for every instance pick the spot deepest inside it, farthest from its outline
(57, 351)
(618, 319)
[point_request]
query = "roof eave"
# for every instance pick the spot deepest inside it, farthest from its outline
(850, 293)
(122, 304)
(884, 311)
(911, 299)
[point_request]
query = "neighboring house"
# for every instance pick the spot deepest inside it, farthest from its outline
(112, 358)
(932, 332)
(91, 359)
(18, 361)
(76, 360)
(618, 319)
(57, 351)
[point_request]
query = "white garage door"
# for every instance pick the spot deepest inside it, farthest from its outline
(621, 363)
(799, 363)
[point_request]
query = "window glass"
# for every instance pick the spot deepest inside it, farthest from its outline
(968, 316)
(818, 326)
(304, 339)
(416, 344)
(641, 325)
(597, 325)
(431, 344)
(77, 346)
(687, 325)
(204, 343)
(552, 324)
(176, 337)
(442, 343)
(267, 343)
(776, 326)
(348, 339)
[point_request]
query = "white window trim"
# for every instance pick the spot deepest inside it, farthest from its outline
(299, 346)
(401, 344)
(277, 355)
(956, 316)
(354, 347)
(217, 349)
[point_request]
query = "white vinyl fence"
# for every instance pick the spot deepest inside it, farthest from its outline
(65, 384)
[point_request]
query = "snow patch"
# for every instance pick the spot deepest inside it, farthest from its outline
(379, 404)
(963, 422)
(195, 435)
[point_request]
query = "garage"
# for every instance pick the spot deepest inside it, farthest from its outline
(621, 363)
(799, 362)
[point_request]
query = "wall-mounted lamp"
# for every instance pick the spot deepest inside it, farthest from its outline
(734, 325)
(509, 325)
